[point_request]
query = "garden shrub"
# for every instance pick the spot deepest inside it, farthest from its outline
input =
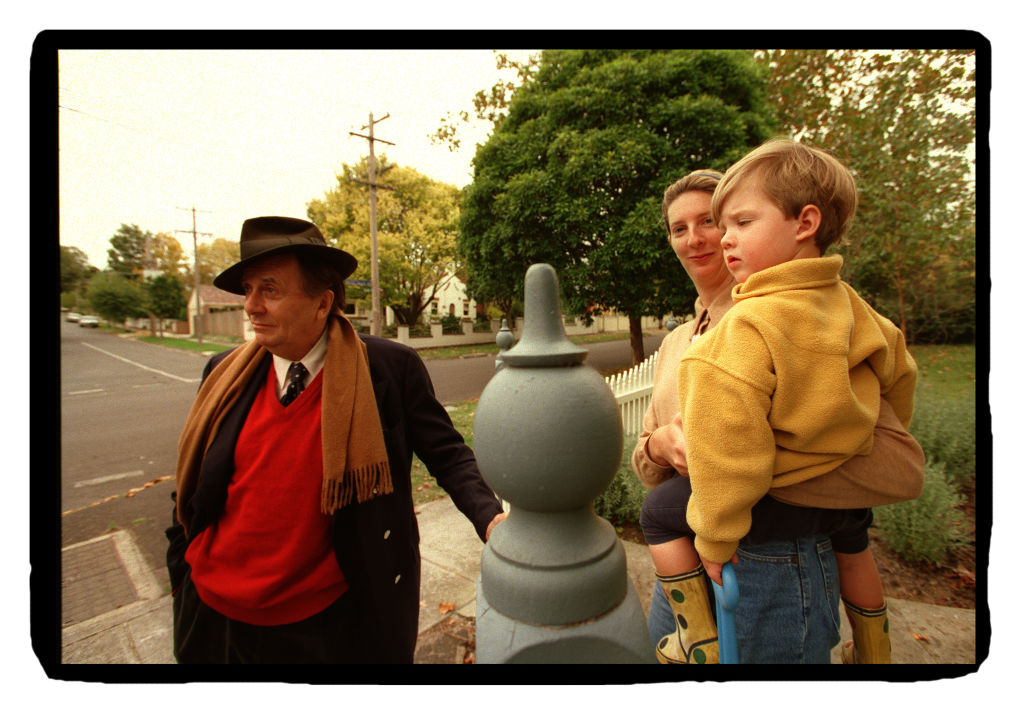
(451, 325)
(620, 503)
(945, 429)
(928, 528)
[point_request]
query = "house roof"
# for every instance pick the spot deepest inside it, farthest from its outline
(211, 295)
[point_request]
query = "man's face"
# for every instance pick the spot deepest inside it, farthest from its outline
(287, 322)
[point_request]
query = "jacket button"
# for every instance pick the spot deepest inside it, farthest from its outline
(398, 578)
(387, 533)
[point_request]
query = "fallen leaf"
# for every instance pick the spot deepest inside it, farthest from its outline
(920, 638)
(445, 608)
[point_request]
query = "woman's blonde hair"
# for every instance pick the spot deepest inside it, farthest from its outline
(701, 180)
(793, 175)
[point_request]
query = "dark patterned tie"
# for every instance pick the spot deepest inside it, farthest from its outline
(296, 376)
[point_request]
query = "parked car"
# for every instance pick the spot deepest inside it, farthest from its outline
(88, 321)
(73, 317)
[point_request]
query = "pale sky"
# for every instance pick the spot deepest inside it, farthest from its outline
(145, 134)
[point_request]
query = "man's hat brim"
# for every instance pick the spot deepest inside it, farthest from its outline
(270, 236)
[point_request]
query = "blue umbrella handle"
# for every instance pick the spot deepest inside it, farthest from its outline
(727, 597)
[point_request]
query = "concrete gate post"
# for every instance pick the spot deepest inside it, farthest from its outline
(548, 438)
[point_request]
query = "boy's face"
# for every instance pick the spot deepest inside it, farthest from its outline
(756, 234)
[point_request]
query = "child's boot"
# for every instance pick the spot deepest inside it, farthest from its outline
(870, 642)
(695, 639)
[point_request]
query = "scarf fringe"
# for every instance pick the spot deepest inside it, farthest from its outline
(364, 484)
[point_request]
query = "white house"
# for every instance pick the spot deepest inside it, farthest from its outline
(450, 300)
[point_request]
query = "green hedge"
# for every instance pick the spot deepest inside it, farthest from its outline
(929, 527)
(621, 501)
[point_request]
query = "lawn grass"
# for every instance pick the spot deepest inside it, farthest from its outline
(946, 371)
(186, 344)
(424, 486)
(945, 409)
(461, 351)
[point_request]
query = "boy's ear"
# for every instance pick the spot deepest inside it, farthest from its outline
(808, 222)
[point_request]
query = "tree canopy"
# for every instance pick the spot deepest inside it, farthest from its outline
(214, 257)
(117, 297)
(166, 296)
(75, 269)
(416, 227)
(127, 251)
(133, 250)
(904, 122)
(573, 175)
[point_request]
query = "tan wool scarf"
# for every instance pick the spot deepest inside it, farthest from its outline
(355, 458)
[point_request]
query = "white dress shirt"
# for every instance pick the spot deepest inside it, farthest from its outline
(313, 362)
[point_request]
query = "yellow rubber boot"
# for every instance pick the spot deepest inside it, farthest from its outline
(695, 639)
(870, 642)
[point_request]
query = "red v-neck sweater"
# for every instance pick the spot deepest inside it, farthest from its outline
(269, 560)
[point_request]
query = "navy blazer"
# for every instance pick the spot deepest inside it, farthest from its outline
(377, 542)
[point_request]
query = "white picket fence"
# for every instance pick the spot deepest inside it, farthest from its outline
(632, 390)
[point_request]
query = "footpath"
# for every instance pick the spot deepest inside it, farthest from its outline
(117, 611)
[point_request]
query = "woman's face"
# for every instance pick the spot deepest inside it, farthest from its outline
(697, 241)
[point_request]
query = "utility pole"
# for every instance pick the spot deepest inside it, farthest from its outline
(372, 183)
(195, 270)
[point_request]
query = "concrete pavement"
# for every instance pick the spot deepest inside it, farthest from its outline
(117, 611)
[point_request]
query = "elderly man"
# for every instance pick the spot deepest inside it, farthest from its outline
(294, 538)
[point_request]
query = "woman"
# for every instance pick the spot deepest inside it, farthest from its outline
(788, 545)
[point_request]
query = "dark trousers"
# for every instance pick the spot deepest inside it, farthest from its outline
(203, 635)
(663, 518)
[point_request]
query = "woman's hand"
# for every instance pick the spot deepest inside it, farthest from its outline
(667, 447)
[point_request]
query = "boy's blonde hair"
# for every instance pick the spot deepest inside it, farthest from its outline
(701, 180)
(793, 175)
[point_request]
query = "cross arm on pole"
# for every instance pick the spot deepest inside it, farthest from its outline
(371, 138)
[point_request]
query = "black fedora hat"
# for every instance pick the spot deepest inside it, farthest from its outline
(267, 236)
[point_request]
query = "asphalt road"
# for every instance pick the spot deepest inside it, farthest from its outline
(122, 406)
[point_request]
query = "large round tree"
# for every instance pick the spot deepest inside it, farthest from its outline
(573, 175)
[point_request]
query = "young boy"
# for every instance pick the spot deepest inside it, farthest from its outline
(787, 386)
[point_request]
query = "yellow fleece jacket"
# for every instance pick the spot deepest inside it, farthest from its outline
(785, 388)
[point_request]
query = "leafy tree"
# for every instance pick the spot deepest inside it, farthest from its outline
(116, 297)
(574, 173)
(491, 104)
(166, 255)
(214, 257)
(166, 296)
(75, 269)
(416, 231)
(127, 252)
(904, 122)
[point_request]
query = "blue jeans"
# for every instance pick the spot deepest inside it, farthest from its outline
(789, 602)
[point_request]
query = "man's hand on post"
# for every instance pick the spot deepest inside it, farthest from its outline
(494, 522)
